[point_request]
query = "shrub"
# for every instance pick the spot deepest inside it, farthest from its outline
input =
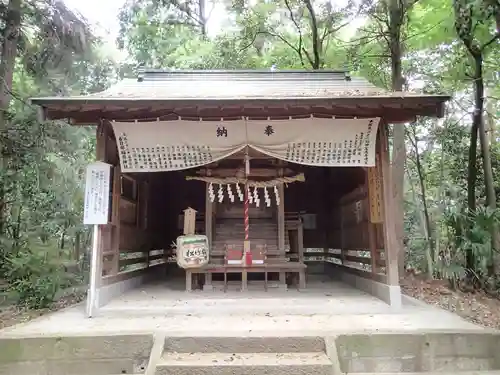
(33, 279)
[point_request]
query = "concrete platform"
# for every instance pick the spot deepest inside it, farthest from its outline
(391, 354)
(329, 329)
(327, 307)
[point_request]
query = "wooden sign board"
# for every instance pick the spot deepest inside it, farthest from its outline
(189, 221)
(97, 189)
(375, 197)
(192, 251)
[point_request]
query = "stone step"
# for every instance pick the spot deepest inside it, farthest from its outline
(244, 364)
(482, 372)
(306, 344)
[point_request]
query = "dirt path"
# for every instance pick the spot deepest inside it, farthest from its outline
(477, 308)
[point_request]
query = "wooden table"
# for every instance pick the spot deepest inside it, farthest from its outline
(293, 267)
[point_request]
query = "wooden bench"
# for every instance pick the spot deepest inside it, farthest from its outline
(234, 263)
(291, 267)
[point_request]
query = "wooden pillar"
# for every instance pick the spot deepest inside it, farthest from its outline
(390, 239)
(281, 218)
(342, 232)
(96, 256)
(281, 227)
(208, 231)
(102, 134)
(300, 241)
(327, 213)
(115, 219)
(372, 238)
(208, 214)
(370, 225)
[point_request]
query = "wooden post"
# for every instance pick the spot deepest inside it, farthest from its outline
(281, 230)
(208, 217)
(95, 272)
(327, 214)
(342, 234)
(115, 220)
(281, 227)
(281, 218)
(372, 238)
(208, 231)
(370, 226)
(96, 259)
(390, 239)
(189, 221)
(300, 240)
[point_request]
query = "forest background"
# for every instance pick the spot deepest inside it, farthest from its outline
(445, 171)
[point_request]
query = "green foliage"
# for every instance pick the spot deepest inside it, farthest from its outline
(41, 179)
(43, 163)
(470, 232)
(33, 279)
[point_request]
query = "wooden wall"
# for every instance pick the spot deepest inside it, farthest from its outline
(357, 238)
(127, 242)
(172, 194)
(144, 223)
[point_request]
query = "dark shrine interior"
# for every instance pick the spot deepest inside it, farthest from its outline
(169, 193)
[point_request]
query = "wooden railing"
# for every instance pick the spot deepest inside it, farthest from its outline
(134, 263)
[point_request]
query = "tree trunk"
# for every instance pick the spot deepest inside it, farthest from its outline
(421, 225)
(316, 61)
(77, 246)
(441, 206)
(490, 118)
(478, 120)
(7, 64)
(428, 231)
(203, 17)
(399, 152)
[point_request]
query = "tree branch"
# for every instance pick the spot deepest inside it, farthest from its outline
(299, 30)
(491, 41)
(314, 29)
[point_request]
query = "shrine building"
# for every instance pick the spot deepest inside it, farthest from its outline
(289, 169)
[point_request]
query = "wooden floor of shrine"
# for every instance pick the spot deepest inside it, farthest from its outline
(322, 296)
(326, 307)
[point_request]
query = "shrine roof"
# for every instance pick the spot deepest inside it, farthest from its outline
(160, 93)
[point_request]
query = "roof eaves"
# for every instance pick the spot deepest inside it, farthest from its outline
(95, 100)
(241, 71)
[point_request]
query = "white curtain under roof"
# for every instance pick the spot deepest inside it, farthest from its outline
(178, 145)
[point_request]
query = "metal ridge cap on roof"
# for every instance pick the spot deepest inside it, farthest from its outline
(168, 75)
(240, 71)
(96, 99)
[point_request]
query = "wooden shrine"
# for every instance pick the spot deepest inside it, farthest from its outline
(179, 139)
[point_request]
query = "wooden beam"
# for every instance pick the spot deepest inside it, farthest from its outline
(256, 172)
(126, 110)
(390, 240)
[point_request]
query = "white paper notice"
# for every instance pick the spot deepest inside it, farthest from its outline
(97, 185)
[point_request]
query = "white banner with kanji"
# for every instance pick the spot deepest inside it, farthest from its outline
(178, 145)
(97, 189)
(318, 142)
